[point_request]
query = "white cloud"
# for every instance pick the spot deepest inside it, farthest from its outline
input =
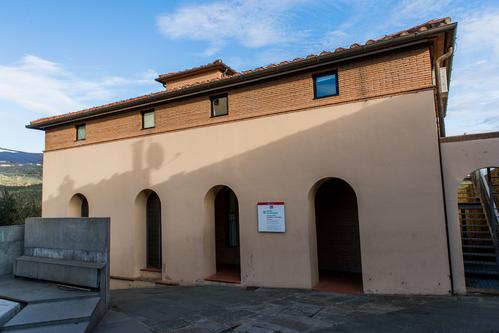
(42, 86)
(253, 23)
(416, 9)
(474, 91)
(480, 30)
(335, 38)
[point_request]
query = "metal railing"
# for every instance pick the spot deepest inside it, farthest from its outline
(482, 181)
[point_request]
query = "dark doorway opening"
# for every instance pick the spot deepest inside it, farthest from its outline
(153, 216)
(84, 207)
(338, 238)
(228, 260)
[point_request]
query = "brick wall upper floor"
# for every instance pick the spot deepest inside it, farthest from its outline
(394, 73)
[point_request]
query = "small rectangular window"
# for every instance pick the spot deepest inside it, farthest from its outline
(81, 132)
(325, 84)
(148, 119)
(219, 105)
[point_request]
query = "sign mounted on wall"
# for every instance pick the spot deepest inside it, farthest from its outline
(271, 217)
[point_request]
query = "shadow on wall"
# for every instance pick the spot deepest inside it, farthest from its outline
(378, 130)
(337, 134)
(153, 161)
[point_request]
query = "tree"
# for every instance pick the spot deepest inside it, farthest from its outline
(7, 207)
(18, 203)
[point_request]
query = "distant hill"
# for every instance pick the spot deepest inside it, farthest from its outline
(20, 185)
(20, 157)
(18, 168)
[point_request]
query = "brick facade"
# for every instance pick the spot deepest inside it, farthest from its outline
(395, 73)
(191, 79)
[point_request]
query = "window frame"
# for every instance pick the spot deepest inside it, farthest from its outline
(142, 119)
(314, 82)
(212, 115)
(76, 132)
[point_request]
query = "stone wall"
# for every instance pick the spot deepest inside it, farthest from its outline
(11, 246)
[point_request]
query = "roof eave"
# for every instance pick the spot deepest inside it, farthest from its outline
(361, 51)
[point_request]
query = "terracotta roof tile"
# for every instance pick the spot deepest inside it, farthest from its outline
(215, 64)
(419, 28)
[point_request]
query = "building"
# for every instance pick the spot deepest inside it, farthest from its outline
(351, 143)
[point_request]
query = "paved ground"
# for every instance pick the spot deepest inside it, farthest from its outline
(233, 309)
(46, 307)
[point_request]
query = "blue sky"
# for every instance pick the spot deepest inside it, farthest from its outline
(62, 56)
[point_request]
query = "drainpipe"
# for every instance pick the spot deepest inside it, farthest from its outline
(438, 65)
(441, 133)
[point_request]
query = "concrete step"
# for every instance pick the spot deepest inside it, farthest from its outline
(31, 291)
(477, 239)
(481, 263)
(150, 275)
(474, 224)
(481, 270)
(490, 247)
(478, 254)
(72, 272)
(58, 328)
(127, 283)
(476, 232)
(8, 310)
(53, 314)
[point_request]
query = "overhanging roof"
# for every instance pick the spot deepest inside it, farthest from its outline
(415, 35)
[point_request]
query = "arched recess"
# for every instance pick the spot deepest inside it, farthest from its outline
(478, 214)
(337, 236)
(147, 231)
(222, 235)
(78, 206)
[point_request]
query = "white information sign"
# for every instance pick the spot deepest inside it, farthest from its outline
(271, 217)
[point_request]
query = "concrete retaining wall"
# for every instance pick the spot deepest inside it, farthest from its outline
(72, 251)
(82, 239)
(11, 246)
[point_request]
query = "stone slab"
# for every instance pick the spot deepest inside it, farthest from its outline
(8, 309)
(61, 328)
(116, 322)
(183, 309)
(61, 312)
(29, 291)
(58, 270)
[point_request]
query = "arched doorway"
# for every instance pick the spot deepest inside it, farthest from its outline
(478, 202)
(338, 238)
(153, 231)
(147, 235)
(78, 206)
(227, 249)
